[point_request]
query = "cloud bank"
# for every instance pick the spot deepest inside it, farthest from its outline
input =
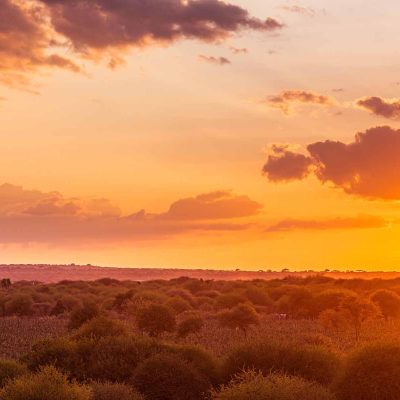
(31, 216)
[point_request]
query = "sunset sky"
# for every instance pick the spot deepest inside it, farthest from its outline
(244, 134)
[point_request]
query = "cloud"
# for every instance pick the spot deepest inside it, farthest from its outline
(284, 100)
(25, 43)
(32, 216)
(368, 167)
(39, 34)
(381, 107)
(358, 222)
(285, 165)
(215, 205)
(215, 60)
(105, 24)
(238, 50)
(310, 12)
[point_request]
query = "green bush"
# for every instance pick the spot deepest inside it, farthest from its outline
(155, 319)
(10, 369)
(190, 323)
(47, 384)
(200, 359)
(253, 386)
(169, 377)
(99, 327)
(19, 304)
(242, 316)
(114, 391)
(371, 373)
(178, 304)
(106, 359)
(82, 314)
(309, 362)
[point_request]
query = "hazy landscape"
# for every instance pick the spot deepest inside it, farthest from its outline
(199, 200)
(311, 337)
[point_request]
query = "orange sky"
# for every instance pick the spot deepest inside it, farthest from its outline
(200, 133)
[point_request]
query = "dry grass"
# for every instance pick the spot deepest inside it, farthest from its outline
(18, 334)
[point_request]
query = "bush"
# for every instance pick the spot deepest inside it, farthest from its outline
(10, 369)
(388, 303)
(47, 384)
(241, 316)
(155, 319)
(99, 327)
(19, 304)
(169, 377)
(229, 300)
(107, 359)
(253, 386)
(309, 362)
(178, 304)
(82, 314)
(190, 323)
(200, 359)
(114, 391)
(372, 373)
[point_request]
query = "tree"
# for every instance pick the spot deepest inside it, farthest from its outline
(356, 311)
(241, 316)
(388, 303)
(155, 319)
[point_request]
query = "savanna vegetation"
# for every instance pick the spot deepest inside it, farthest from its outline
(192, 339)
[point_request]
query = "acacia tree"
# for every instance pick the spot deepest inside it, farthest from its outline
(353, 312)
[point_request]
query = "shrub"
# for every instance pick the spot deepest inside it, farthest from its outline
(10, 369)
(178, 304)
(388, 303)
(309, 362)
(155, 319)
(107, 359)
(169, 377)
(114, 391)
(19, 304)
(47, 384)
(82, 314)
(258, 296)
(253, 386)
(229, 300)
(200, 359)
(99, 327)
(371, 373)
(190, 323)
(241, 316)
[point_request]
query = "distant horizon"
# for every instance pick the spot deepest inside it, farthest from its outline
(201, 133)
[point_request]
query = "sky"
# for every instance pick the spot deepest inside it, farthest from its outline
(200, 133)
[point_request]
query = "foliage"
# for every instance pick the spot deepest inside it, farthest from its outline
(155, 319)
(114, 391)
(47, 384)
(254, 386)
(169, 377)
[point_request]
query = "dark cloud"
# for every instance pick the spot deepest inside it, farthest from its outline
(358, 222)
(285, 165)
(382, 107)
(25, 43)
(368, 167)
(45, 33)
(103, 24)
(285, 99)
(214, 60)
